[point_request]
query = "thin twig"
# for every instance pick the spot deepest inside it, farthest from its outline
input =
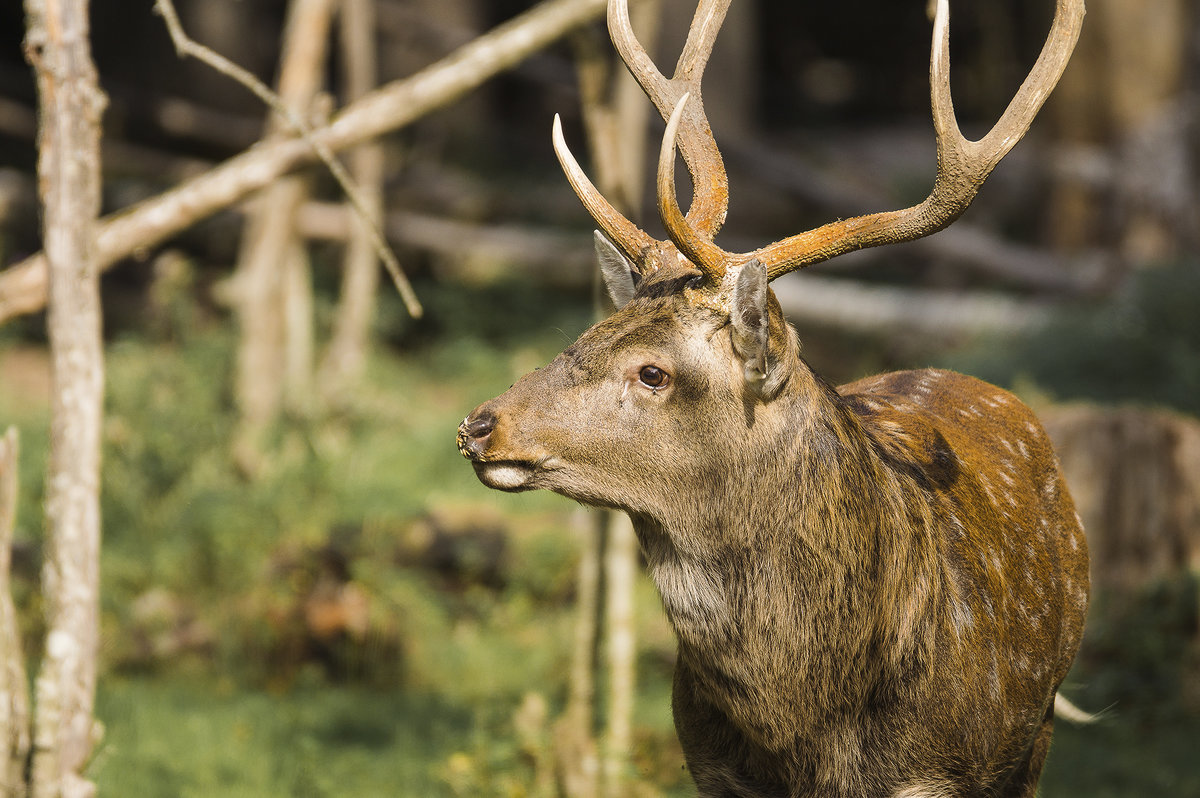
(186, 46)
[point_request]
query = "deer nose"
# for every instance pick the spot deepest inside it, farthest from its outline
(473, 435)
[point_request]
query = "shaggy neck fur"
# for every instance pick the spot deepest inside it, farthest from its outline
(800, 613)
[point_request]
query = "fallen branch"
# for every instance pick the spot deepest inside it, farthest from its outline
(555, 257)
(853, 306)
(137, 229)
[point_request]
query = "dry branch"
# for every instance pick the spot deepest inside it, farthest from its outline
(565, 259)
(137, 229)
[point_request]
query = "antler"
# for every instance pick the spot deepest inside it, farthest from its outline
(710, 184)
(963, 165)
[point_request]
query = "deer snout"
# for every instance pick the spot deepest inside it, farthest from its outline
(473, 434)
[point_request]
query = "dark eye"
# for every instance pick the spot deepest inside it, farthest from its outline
(653, 377)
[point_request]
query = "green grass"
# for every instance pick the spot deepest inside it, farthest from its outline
(171, 737)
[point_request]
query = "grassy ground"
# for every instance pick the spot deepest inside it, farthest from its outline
(448, 669)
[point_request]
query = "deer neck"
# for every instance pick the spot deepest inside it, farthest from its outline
(824, 566)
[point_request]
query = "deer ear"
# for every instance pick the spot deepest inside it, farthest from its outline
(620, 275)
(749, 316)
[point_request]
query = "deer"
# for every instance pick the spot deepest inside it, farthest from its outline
(876, 589)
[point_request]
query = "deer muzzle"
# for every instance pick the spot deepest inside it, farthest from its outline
(495, 468)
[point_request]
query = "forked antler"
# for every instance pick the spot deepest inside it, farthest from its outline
(710, 184)
(963, 165)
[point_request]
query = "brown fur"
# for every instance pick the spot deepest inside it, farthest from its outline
(876, 589)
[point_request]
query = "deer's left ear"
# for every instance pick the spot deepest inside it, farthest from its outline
(620, 276)
(751, 321)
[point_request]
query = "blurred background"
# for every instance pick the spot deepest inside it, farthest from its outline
(305, 590)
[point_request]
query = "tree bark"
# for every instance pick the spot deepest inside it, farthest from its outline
(71, 103)
(14, 689)
(1135, 477)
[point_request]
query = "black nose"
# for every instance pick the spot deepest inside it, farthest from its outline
(473, 435)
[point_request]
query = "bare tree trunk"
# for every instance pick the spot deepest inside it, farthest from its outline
(575, 747)
(14, 689)
(345, 358)
(620, 570)
(271, 283)
(71, 104)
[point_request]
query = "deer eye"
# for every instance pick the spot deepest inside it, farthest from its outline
(653, 377)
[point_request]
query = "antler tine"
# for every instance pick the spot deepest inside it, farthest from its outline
(622, 232)
(702, 35)
(963, 165)
(710, 199)
(702, 252)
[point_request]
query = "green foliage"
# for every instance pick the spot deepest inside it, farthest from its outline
(1141, 346)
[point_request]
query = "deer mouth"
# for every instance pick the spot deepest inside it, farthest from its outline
(506, 475)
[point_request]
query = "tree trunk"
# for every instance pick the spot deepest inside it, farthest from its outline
(14, 689)
(577, 766)
(1135, 477)
(71, 104)
(620, 571)
(1120, 112)
(345, 358)
(267, 291)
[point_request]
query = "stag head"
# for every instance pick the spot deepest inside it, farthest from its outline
(698, 333)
